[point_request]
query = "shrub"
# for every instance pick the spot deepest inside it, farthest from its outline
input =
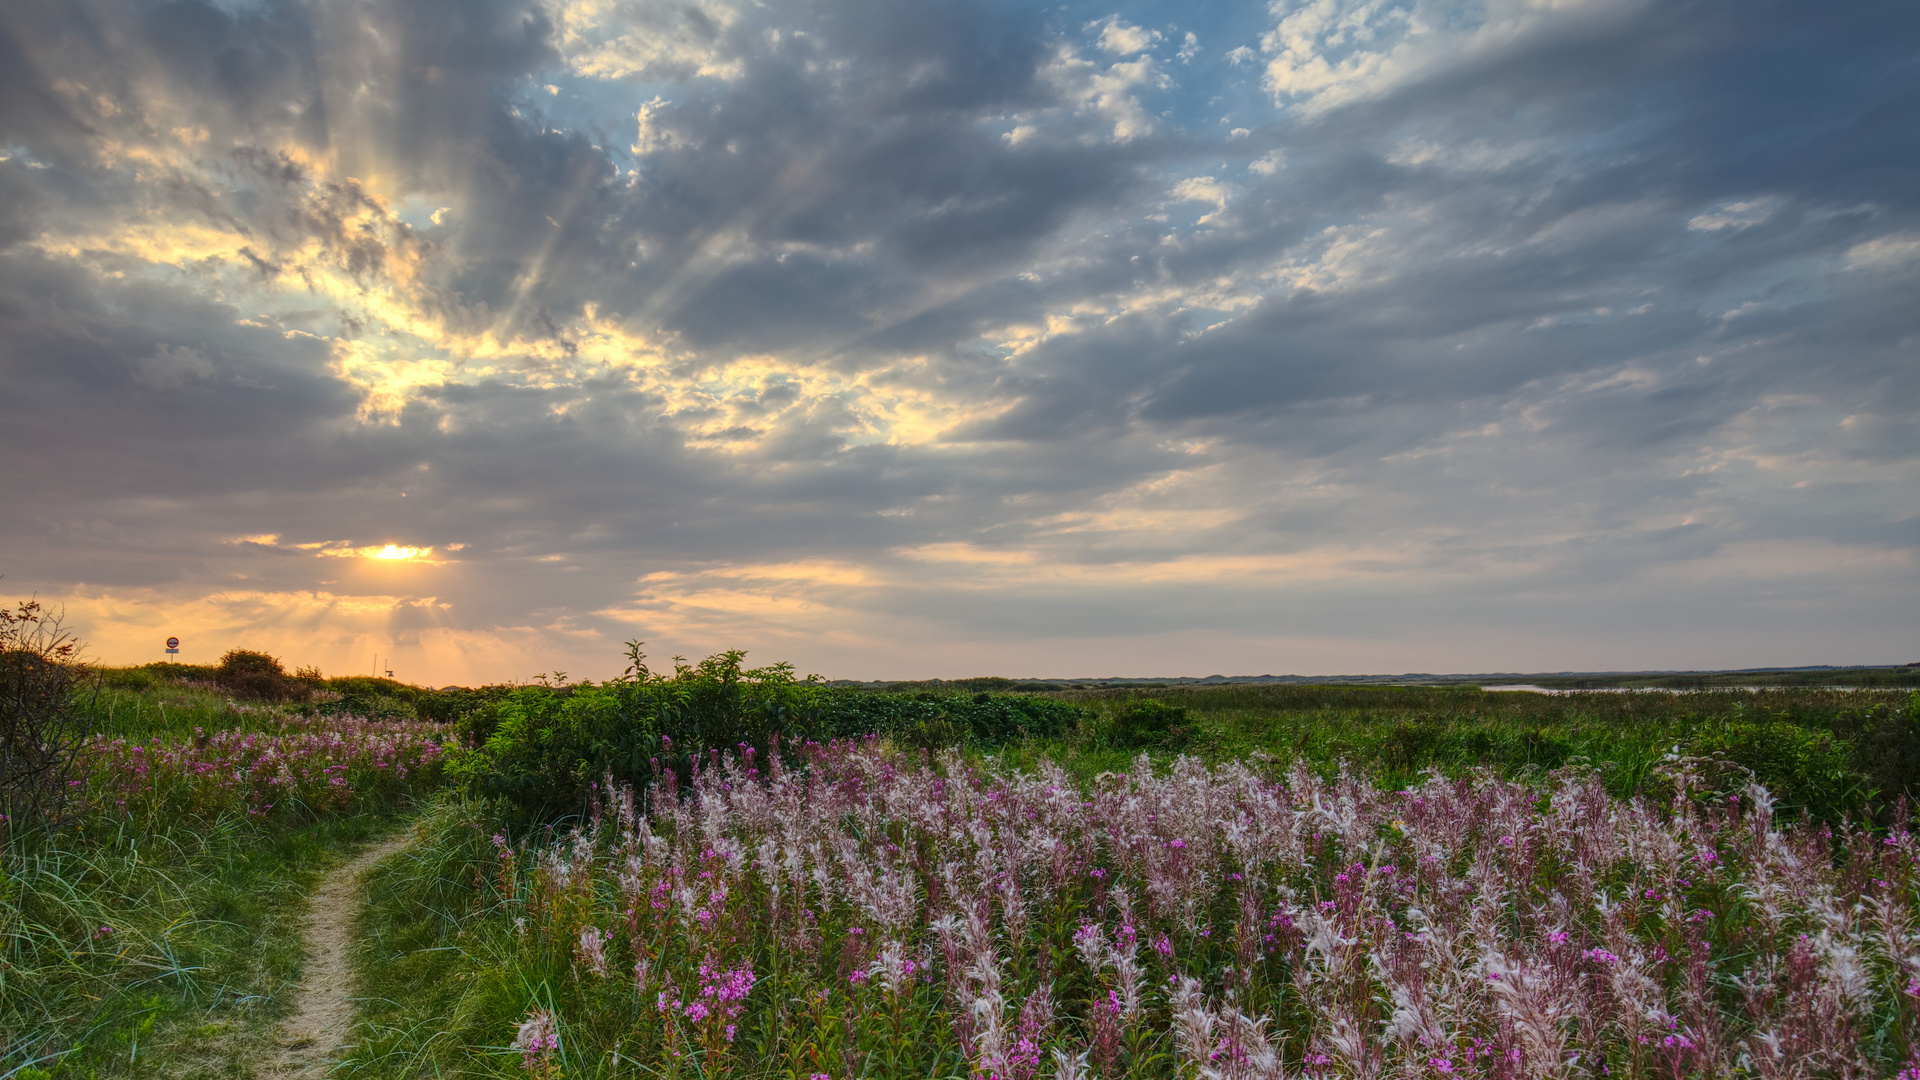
(1809, 772)
(542, 746)
(39, 734)
(1146, 724)
(1886, 748)
(249, 674)
(162, 669)
(137, 679)
(980, 718)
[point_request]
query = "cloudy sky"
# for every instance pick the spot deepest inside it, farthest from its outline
(947, 338)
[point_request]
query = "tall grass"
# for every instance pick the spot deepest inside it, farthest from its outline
(125, 950)
(151, 928)
(165, 707)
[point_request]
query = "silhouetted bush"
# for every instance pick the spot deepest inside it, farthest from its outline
(40, 730)
(257, 676)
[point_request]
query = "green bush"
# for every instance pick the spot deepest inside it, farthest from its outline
(164, 669)
(980, 718)
(1886, 747)
(1145, 724)
(257, 676)
(541, 746)
(1807, 771)
(138, 679)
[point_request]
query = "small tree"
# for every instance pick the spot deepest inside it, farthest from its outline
(39, 731)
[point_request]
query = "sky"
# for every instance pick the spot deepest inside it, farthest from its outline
(474, 338)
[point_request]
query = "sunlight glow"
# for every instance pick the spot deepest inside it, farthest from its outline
(385, 553)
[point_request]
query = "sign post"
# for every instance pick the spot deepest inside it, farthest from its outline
(173, 646)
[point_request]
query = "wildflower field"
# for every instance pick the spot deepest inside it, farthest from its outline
(864, 908)
(723, 871)
(299, 764)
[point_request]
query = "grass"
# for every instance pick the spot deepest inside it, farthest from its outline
(156, 953)
(145, 944)
(166, 707)
(1395, 734)
(434, 969)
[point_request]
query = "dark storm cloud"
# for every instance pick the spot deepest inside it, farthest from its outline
(969, 318)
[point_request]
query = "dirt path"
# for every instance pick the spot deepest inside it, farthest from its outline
(323, 1005)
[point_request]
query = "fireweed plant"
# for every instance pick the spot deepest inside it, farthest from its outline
(304, 763)
(880, 913)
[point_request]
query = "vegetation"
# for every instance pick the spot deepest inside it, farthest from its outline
(874, 913)
(150, 927)
(541, 747)
(256, 676)
(724, 870)
(1830, 754)
(38, 740)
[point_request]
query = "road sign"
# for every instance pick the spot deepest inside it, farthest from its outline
(173, 643)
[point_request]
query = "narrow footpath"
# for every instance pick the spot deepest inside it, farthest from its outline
(322, 1019)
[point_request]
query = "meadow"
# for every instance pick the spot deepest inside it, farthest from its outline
(725, 871)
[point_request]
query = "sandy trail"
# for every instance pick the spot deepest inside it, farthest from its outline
(323, 1005)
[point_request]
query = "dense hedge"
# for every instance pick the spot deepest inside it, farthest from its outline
(542, 746)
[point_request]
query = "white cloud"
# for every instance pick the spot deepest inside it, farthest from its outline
(1124, 39)
(1204, 189)
(612, 39)
(1327, 52)
(1885, 252)
(1735, 216)
(1112, 93)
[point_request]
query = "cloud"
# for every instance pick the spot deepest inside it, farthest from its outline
(1325, 53)
(928, 339)
(1123, 39)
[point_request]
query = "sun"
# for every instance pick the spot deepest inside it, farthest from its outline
(394, 551)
